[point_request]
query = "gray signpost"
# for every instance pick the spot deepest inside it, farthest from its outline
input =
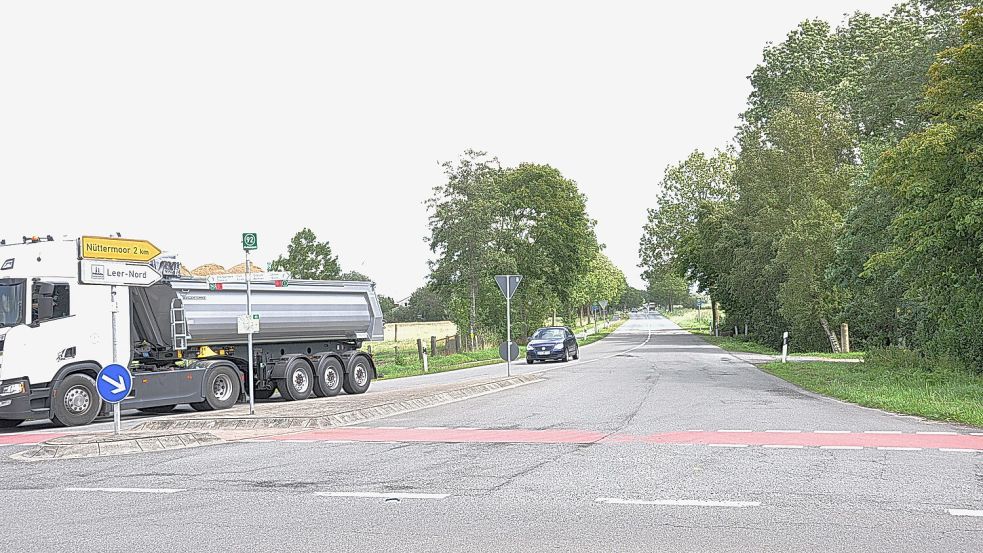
(249, 243)
(507, 284)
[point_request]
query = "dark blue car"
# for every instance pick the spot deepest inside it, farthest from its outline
(555, 343)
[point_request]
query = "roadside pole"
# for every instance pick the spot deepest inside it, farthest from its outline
(508, 324)
(115, 306)
(508, 351)
(249, 243)
(784, 346)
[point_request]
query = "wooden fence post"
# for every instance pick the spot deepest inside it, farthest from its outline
(457, 343)
(433, 345)
(845, 338)
(419, 349)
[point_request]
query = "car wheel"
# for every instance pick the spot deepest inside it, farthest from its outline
(576, 353)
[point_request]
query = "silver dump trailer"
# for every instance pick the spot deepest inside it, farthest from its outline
(301, 311)
(308, 342)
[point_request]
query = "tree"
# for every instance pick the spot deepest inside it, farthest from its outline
(938, 229)
(632, 298)
(424, 305)
(307, 258)
(354, 275)
(387, 304)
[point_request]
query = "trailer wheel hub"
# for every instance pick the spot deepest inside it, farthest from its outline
(361, 375)
(300, 381)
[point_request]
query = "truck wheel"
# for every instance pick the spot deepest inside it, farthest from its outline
(298, 382)
(264, 394)
(78, 401)
(328, 381)
(5, 423)
(359, 376)
(222, 389)
(158, 410)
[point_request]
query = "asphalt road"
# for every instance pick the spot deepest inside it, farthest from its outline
(653, 441)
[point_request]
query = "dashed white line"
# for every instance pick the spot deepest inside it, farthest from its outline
(127, 490)
(430, 428)
(832, 432)
(965, 513)
(781, 446)
(384, 495)
(882, 431)
(958, 450)
(840, 447)
(976, 433)
(900, 448)
(727, 445)
(784, 431)
(677, 502)
(733, 430)
(938, 433)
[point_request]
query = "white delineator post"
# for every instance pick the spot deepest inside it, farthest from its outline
(784, 347)
(115, 309)
(249, 336)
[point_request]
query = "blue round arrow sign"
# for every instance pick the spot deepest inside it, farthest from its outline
(114, 383)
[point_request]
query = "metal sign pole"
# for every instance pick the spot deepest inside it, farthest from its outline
(249, 337)
(508, 324)
(115, 309)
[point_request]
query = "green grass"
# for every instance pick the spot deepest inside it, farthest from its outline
(410, 365)
(899, 382)
(699, 323)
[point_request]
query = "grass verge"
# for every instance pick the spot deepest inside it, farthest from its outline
(927, 388)
(699, 323)
(410, 365)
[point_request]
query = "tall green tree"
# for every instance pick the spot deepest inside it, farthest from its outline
(937, 174)
(307, 258)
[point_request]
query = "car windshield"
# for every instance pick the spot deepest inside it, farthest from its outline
(549, 334)
(11, 303)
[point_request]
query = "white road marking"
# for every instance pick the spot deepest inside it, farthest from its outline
(385, 495)
(677, 502)
(468, 428)
(733, 430)
(784, 431)
(779, 446)
(976, 433)
(694, 430)
(832, 432)
(430, 428)
(965, 513)
(939, 433)
(840, 447)
(127, 490)
(901, 448)
(882, 431)
(958, 450)
(387, 427)
(727, 445)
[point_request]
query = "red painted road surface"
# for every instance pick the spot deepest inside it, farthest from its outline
(27, 438)
(804, 439)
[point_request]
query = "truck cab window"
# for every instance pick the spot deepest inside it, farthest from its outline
(49, 301)
(11, 302)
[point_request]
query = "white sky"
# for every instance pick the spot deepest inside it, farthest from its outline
(187, 123)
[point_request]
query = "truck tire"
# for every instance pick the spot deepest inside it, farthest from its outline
(329, 378)
(359, 375)
(77, 401)
(158, 410)
(264, 394)
(5, 423)
(298, 382)
(222, 389)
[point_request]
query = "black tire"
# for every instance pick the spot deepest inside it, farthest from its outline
(158, 410)
(529, 361)
(222, 389)
(6, 423)
(264, 394)
(566, 355)
(359, 375)
(77, 401)
(328, 381)
(298, 383)
(576, 355)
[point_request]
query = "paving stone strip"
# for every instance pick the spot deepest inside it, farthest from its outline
(336, 411)
(80, 445)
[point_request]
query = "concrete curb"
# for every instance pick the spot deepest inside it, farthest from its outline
(344, 418)
(77, 446)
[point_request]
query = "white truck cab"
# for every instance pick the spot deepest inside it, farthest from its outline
(50, 326)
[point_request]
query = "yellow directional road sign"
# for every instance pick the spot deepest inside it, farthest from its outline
(117, 249)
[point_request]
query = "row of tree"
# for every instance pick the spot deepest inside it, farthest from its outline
(854, 190)
(487, 219)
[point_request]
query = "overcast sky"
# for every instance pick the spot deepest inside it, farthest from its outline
(187, 123)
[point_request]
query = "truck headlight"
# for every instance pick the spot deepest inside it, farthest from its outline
(15, 388)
